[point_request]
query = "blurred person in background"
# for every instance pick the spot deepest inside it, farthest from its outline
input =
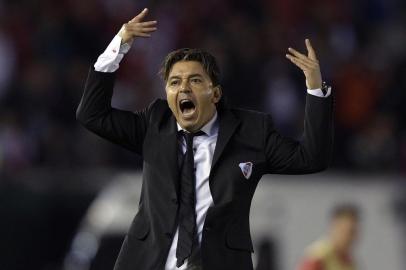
(193, 137)
(335, 251)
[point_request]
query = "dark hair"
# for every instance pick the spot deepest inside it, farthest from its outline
(345, 210)
(207, 60)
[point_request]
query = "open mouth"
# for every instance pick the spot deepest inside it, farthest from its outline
(187, 107)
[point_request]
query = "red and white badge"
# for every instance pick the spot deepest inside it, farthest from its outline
(246, 169)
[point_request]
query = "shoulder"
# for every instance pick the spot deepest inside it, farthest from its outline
(158, 110)
(247, 114)
(251, 119)
(251, 128)
(319, 249)
(158, 106)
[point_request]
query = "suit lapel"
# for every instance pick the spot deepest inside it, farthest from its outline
(169, 150)
(227, 126)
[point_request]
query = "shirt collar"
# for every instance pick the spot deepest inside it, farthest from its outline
(210, 128)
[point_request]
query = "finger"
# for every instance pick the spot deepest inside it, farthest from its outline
(135, 29)
(135, 25)
(298, 62)
(140, 34)
(139, 26)
(148, 23)
(302, 56)
(310, 51)
(140, 16)
(148, 29)
(296, 53)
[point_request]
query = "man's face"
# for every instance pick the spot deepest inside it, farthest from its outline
(191, 95)
(344, 232)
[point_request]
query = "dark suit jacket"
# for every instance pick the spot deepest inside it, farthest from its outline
(243, 136)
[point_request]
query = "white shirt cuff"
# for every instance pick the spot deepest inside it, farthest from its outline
(110, 59)
(318, 93)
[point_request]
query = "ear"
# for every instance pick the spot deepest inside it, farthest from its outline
(217, 93)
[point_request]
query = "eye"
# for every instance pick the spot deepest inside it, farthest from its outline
(173, 83)
(196, 80)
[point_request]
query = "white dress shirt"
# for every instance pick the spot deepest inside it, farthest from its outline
(110, 59)
(203, 147)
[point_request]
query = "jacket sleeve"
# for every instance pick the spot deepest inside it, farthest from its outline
(125, 128)
(313, 152)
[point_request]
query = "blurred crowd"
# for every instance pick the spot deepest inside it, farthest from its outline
(47, 48)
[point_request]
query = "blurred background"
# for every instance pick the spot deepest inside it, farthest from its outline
(58, 181)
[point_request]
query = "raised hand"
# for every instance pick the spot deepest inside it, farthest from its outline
(137, 28)
(308, 64)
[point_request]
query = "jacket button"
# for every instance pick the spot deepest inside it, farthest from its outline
(169, 235)
(207, 228)
(175, 201)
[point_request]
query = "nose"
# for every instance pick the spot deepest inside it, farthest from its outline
(184, 87)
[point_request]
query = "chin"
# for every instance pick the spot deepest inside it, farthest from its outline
(191, 128)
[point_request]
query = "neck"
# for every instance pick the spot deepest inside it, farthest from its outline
(208, 119)
(343, 250)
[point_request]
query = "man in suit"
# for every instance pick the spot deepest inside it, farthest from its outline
(201, 159)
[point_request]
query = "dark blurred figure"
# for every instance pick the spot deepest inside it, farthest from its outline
(400, 214)
(267, 255)
(335, 251)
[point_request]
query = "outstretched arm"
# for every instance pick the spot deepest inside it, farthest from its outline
(313, 152)
(95, 112)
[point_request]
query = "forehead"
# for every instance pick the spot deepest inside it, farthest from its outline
(185, 68)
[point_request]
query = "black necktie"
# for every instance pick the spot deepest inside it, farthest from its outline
(187, 214)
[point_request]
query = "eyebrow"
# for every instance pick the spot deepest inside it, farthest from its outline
(190, 76)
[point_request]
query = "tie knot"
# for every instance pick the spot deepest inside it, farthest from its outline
(189, 135)
(192, 134)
